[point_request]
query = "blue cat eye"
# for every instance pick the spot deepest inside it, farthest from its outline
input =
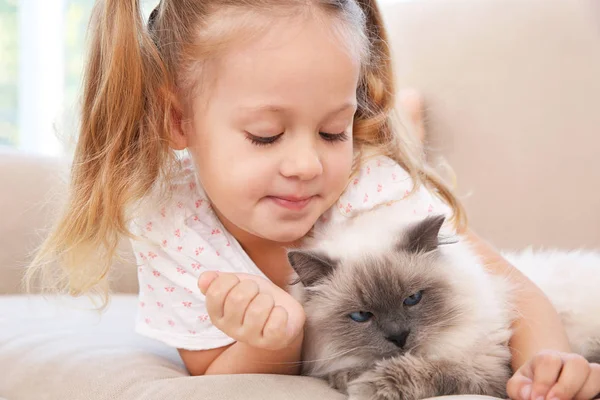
(414, 299)
(360, 316)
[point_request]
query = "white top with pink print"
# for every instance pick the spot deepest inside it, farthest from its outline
(184, 237)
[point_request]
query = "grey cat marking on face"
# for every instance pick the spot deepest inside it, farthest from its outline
(310, 266)
(439, 323)
(424, 237)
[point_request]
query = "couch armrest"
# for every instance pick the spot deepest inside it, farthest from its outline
(33, 189)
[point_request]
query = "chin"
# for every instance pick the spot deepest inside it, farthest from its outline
(287, 234)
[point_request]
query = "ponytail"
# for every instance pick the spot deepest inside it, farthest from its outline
(376, 124)
(123, 148)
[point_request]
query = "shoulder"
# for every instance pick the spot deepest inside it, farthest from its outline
(380, 182)
(380, 200)
(169, 202)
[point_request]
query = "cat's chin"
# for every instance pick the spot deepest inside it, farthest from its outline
(397, 353)
(328, 365)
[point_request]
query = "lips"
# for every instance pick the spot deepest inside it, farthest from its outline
(293, 198)
(292, 202)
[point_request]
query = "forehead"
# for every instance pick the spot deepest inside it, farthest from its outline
(294, 61)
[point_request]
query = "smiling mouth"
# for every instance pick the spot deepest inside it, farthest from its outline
(291, 203)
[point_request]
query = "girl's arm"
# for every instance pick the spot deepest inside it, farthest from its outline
(241, 358)
(538, 326)
(545, 368)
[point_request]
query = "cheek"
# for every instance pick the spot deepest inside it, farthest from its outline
(228, 168)
(338, 165)
(427, 319)
(234, 189)
(226, 161)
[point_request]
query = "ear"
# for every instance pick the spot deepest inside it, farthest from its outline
(310, 266)
(179, 135)
(424, 236)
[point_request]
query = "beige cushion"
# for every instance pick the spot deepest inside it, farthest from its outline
(57, 350)
(33, 188)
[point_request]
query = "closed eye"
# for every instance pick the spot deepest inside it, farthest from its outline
(262, 140)
(267, 140)
(334, 137)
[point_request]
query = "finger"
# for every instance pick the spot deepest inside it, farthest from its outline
(572, 377)
(256, 316)
(546, 368)
(205, 279)
(591, 387)
(216, 294)
(237, 301)
(274, 330)
(519, 387)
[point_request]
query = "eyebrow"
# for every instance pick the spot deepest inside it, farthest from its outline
(273, 108)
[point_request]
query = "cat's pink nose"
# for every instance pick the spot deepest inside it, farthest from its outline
(399, 339)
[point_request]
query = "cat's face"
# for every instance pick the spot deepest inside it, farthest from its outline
(379, 305)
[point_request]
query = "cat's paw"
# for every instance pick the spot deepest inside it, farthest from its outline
(400, 378)
(339, 380)
(371, 386)
(362, 390)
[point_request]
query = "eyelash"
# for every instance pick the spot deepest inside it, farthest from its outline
(266, 141)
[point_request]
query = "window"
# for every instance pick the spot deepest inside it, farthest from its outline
(8, 72)
(42, 49)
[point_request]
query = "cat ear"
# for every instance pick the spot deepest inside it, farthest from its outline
(310, 266)
(423, 237)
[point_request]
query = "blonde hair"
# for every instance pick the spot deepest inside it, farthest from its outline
(138, 80)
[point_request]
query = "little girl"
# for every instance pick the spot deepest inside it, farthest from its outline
(284, 110)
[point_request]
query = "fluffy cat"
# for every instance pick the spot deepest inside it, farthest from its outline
(404, 310)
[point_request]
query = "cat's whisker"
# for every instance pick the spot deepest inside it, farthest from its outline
(334, 356)
(341, 354)
(449, 318)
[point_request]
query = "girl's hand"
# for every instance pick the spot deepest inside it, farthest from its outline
(552, 375)
(251, 309)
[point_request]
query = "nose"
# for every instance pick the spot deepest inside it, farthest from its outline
(399, 339)
(302, 161)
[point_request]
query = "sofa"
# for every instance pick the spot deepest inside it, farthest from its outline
(512, 90)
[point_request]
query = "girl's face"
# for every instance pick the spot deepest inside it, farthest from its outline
(273, 140)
